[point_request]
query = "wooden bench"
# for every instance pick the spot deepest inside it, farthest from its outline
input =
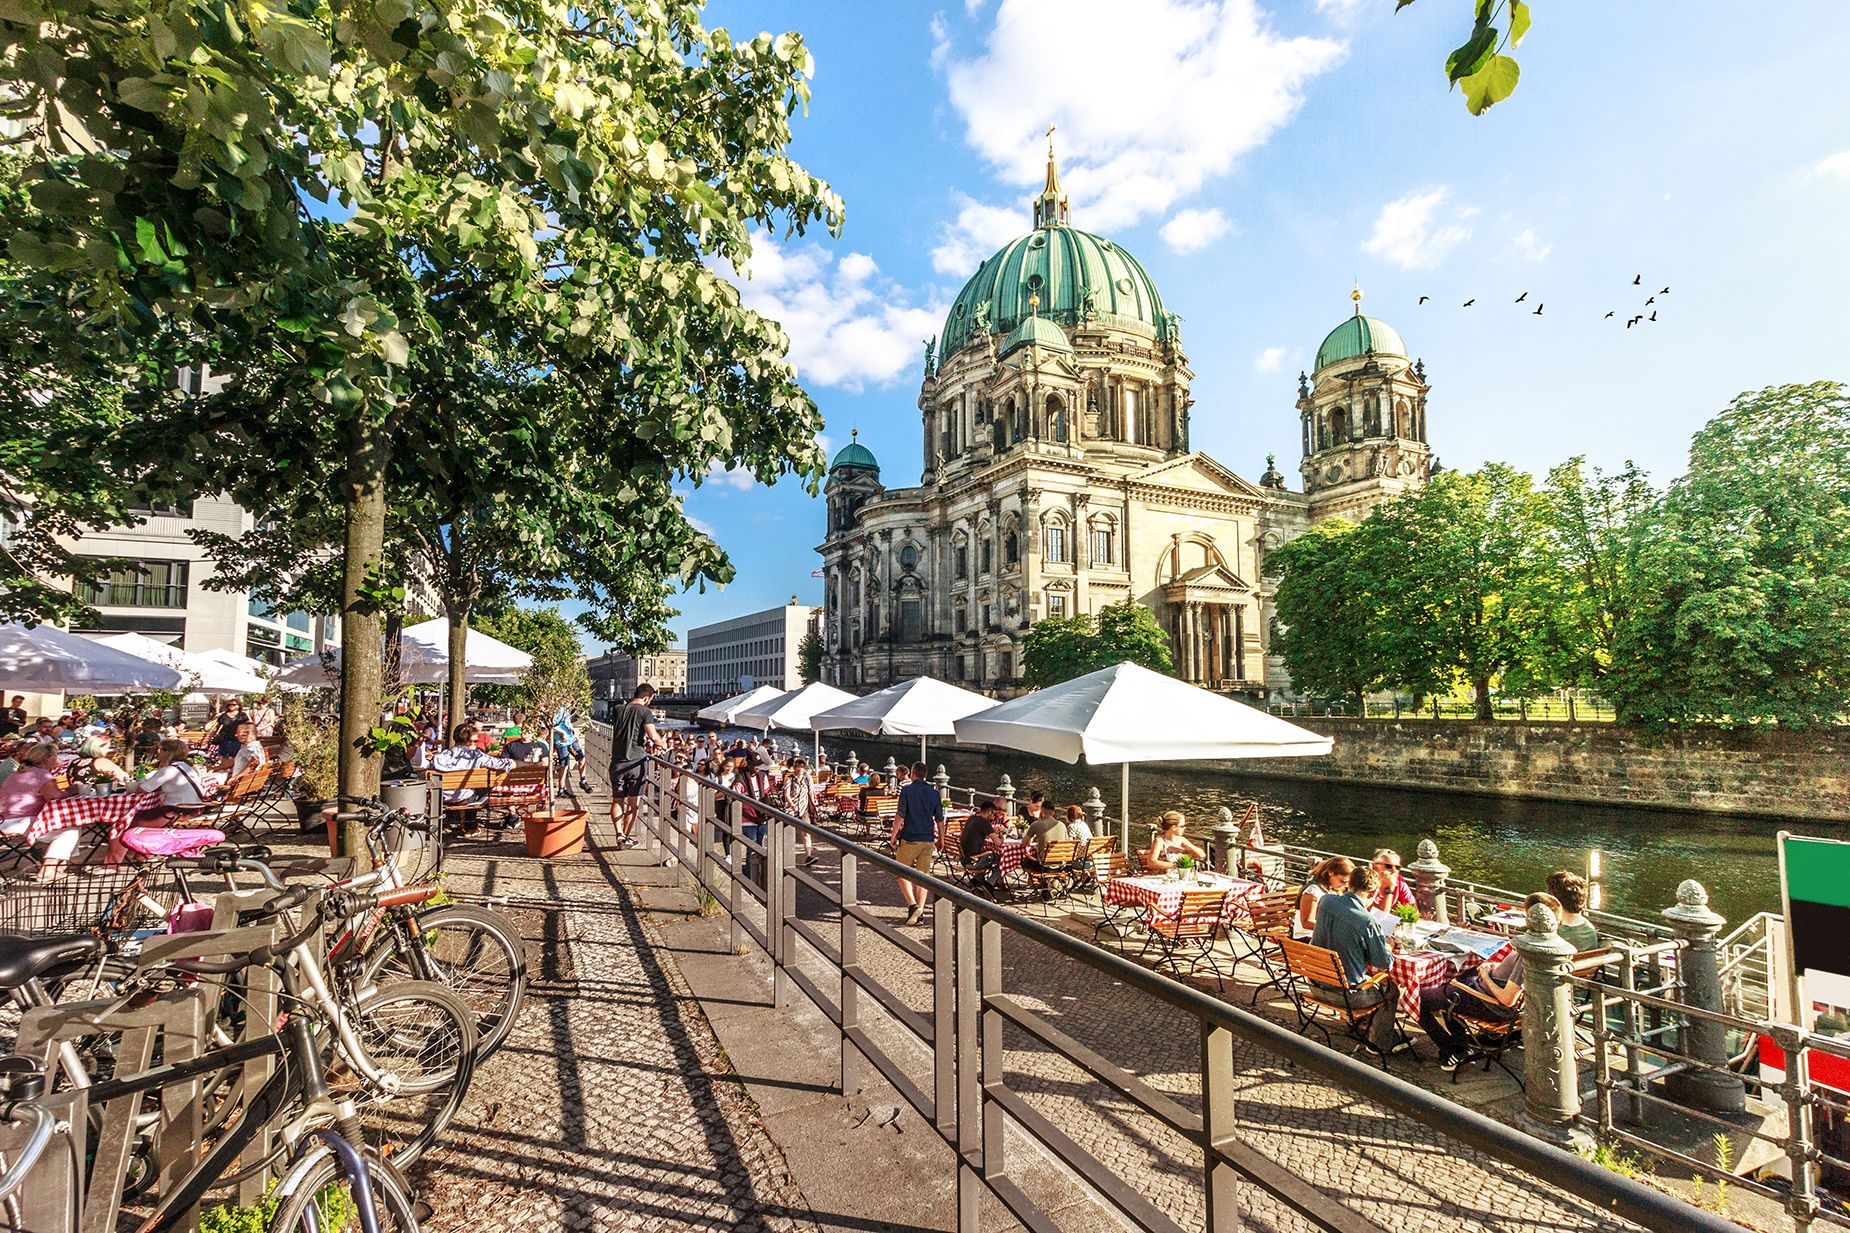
(472, 779)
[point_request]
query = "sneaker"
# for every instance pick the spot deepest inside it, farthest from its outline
(915, 916)
(1448, 1062)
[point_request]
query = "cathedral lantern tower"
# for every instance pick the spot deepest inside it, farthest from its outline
(1362, 416)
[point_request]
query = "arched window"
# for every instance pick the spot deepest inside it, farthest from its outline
(1371, 415)
(1104, 543)
(1055, 543)
(1056, 420)
(1403, 419)
(1011, 548)
(1339, 425)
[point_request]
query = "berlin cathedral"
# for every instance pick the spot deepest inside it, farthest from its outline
(1058, 478)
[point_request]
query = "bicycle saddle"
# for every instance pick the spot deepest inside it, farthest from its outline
(21, 959)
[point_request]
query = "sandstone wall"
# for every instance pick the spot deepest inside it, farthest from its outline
(1769, 773)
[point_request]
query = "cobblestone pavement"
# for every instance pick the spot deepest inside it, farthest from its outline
(611, 1105)
(1397, 1174)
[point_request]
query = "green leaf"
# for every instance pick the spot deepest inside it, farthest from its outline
(1491, 84)
(1519, 22)
(1473, 55)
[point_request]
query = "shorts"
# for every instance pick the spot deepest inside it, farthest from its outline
(916, 854)
(626, 778)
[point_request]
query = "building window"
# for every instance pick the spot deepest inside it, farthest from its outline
(1056, 544)
(960, 557)
(151, 584)
(960, 668)
(1011, 549)
(1101, 546)
(908, 556)
(1056, 606)
(988, 621)
(911, 621)
(960, 619)
(984, 562)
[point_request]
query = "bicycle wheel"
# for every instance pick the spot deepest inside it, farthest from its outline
(474, 952)
(424, 1034)
(317, 1196)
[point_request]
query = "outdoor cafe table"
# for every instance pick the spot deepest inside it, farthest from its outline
(1162, 899)
(1416, 971)
(77, 812)
(1012, 851)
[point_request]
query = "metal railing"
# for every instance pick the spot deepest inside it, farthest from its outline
(967, 1096)
(1747, 966)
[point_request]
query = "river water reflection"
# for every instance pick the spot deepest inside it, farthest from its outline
(1506, 843)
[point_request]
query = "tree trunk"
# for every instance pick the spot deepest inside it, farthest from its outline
(458, 615)
(1481, 687)
(361, 662)
(393, 674)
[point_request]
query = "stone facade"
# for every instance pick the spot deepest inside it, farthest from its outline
(1059, 478)
(1767, 773)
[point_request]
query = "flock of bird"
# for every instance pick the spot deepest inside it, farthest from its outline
(1639, 319)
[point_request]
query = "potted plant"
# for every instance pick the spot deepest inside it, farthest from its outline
(314, 744)
(1185, 867)
(555, 832)
(1409, 916)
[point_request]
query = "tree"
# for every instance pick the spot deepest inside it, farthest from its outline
(582, 170)
(809, 657)
(1061, 648)
(1479, 68)
(1464, 582)
(1741, 600)
(1327, 610)
(557, 677)
(1596, 526)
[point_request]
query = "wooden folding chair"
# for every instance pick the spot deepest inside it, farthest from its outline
(1119, 918)
(470, 779)
(879, 813)
(1191, 932)
(947, 853)
(1095, 854)
(1319, 990)
(1269, 917)
(240, 801)
(1054, 880)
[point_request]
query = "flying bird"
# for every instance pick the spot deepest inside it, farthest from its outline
(1654, 315)
(1631, 323)
(1607, 317)
(1424, 298)
(1470, 302)
(1650, 301)
(1665, 291)
(1637, 280)
(1538, 309)
(1522, 297)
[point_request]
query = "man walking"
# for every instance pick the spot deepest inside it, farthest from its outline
(915, 830)
(632, 738)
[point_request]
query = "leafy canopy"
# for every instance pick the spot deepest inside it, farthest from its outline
(1061, 648)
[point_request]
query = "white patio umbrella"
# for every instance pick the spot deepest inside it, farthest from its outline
(424, 659)
(1127, 714)
(791, 711)
(256, 667)
(922, 707)
(55, 659)
(200, 673)
(721, 712)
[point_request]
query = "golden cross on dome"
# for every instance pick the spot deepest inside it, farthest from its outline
(1050, 129)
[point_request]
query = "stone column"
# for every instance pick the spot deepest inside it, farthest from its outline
(1094, 805)
(1006, 791)
(1700, 967)
(892, 771)
(1550, 1072)
(1429, 874)
(1225, 843)
(941, 781)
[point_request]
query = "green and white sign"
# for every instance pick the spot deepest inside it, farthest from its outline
(1815, 877)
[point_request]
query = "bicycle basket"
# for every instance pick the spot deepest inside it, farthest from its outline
(108, 899)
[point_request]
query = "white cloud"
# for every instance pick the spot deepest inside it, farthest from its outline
(1151, 104)
(1417, 231)
(850, 326)
(978, 231)
(973, 7)
(1194, 229)
(1831, 167)
(1530, 246)
(1342, 9)
(739, 477)
(1269, 359)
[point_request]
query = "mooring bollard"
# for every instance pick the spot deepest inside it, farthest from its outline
(1094, 805)
(1699, 967)
(1429, 875)
(1550, 1071)
(892, 771)
(1224, 843)
(854, 765)
(942, 782)
(1006, 791)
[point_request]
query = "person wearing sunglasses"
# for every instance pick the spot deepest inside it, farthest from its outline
(1394, 889)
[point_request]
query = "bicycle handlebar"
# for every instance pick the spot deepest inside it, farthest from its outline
(43, 1124)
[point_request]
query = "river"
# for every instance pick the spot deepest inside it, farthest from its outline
(1508, 843)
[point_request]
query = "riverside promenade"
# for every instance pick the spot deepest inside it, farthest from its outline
(652, 1084)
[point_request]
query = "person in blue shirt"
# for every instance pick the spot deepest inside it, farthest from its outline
(1344, 926)
(567, 748)
(915, 831)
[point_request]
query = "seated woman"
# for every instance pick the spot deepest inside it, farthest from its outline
(93, 759)
(1395, 890)
(1077, 827)
(174, 780)
(1167, 843)
(1571, 889)
(24, 793)
(875, 787)
(1327, 877)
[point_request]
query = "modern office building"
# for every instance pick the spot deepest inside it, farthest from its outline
(614, 677)
(730, 657)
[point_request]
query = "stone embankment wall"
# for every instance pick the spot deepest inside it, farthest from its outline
(1770, 773)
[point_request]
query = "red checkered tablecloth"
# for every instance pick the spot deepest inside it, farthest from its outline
(1011, 850)
(1417, 971)
(77, 812)
(1162, 899)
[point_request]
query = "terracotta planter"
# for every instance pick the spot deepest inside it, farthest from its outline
(557, 832)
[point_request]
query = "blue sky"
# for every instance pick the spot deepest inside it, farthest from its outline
(1258, 158)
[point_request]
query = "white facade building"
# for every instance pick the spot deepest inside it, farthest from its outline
(730, 657)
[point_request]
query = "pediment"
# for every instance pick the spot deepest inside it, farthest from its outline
(1196, 473)
(1205, 582)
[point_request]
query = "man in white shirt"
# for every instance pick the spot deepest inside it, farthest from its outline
(462, 755)
(250, 751)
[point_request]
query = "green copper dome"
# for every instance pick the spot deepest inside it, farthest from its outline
(1036, 332)
(854, 454)
(1360, 336)
(1075, 273)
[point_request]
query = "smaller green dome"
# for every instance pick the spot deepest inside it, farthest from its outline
(1036, 332)
(854, 454)
(1360, 336)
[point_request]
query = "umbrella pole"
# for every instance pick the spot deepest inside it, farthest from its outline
(1124, 799)
(921, 747)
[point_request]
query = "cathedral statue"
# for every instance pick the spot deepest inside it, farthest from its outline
(931, 355)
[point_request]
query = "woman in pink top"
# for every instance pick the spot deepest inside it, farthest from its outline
(1394, 889)
(22, 796)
